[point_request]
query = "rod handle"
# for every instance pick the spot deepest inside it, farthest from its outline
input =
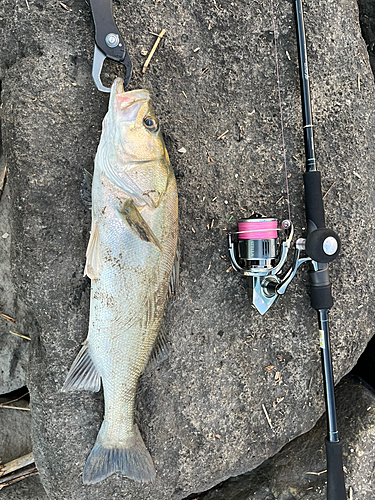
(335, 473)
(313, 200)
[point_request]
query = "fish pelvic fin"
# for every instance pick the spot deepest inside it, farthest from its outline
(130, 457)
(82, 375)
(94, 262)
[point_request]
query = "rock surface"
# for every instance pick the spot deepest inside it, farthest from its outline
(15, 431)
(297, 472)
(13, 350)
(28, 489)
(15, 442)
(201, 412)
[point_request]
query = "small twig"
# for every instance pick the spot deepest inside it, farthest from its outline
(15, 407)
(309, 388)
(267, 417)
(16, 464)
(18, 476)
(222, 135)
(329, 189)
(28, 6)
(2, 182)
(8, 318)
(65, 7)
(20, 335)
(13, 401)
(317, 473)
(147, 62)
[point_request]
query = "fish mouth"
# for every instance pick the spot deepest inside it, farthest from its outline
(130, 102)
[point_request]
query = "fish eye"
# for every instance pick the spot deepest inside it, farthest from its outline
(151, 124)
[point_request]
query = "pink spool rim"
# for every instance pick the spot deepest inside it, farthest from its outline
(257, 229)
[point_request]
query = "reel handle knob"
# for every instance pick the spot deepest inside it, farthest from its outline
(323, 245)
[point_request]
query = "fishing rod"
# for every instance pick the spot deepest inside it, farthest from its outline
(322, 241)
(256, 253)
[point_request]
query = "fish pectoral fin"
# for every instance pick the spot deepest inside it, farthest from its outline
(94, 263)
(159, 353)
(175, 276)
(82, 375)
(134, 220)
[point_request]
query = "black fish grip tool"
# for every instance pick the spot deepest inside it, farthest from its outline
(108, 43)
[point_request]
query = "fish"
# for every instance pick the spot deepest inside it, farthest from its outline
(132, 261)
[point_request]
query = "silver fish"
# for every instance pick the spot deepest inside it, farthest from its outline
(130, 259)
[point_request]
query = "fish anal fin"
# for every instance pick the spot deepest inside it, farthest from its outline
(82, 375)
(134, 220)
(94, 263)
(159, 353)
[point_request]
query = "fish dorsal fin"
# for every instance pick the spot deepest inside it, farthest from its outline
(131, 216)
(175, 276)
(94, 263)
(82, 375)
(86, 188)
(159, 353)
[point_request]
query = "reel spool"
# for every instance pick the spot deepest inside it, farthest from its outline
(257, 241)
(257, 253)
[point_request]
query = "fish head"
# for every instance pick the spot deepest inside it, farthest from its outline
(134, 126)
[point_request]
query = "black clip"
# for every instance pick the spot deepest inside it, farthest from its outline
(108, 43)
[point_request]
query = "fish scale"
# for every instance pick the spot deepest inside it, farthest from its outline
(130, 257)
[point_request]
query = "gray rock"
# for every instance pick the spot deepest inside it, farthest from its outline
(15, 442)
(13, 350)
(298, 471)
(29, 488)
(15, 431)
(201, 412)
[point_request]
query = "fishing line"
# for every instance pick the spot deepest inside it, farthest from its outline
(281, 111)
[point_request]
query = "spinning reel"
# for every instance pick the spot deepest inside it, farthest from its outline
(257, 253)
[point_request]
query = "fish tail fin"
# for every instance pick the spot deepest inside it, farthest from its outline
(131, 458)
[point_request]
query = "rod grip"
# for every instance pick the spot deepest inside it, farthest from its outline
(313, 200)
(335, 473)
